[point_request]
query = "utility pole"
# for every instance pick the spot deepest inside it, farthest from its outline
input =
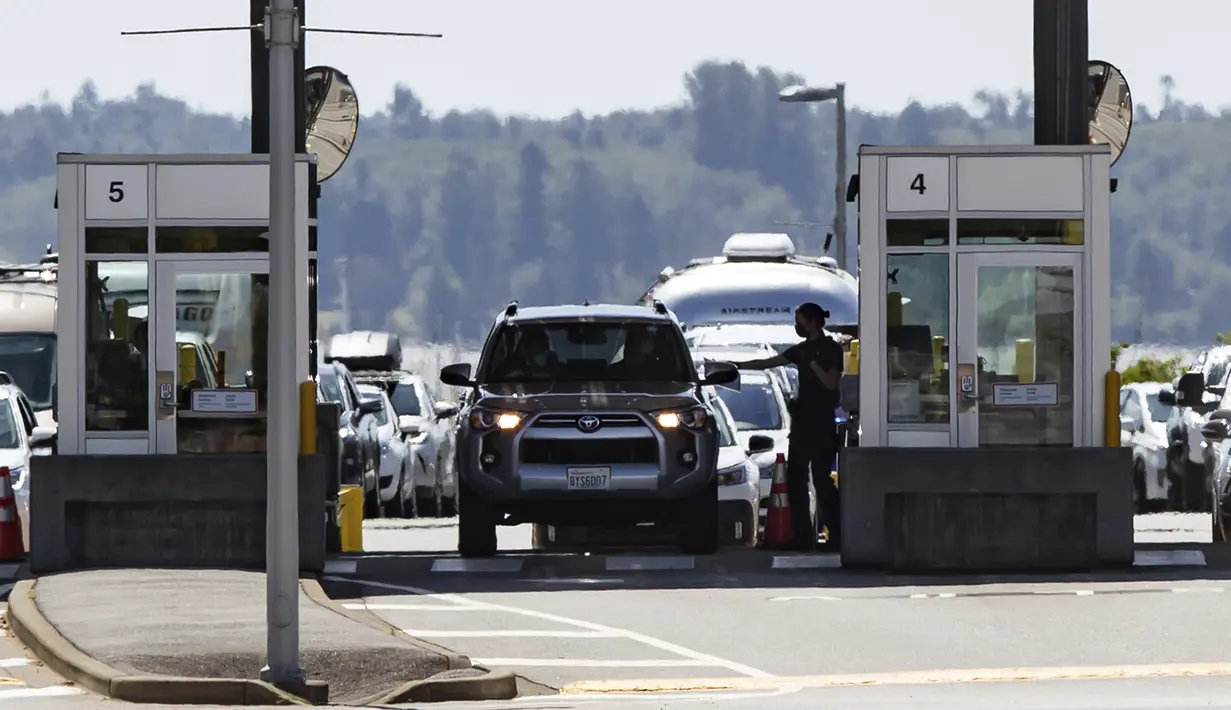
(283, 32)
(799, 94)
(1061, 71)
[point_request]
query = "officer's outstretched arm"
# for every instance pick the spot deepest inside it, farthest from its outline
(763, 363)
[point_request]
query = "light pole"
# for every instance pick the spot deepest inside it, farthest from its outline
(837, 93)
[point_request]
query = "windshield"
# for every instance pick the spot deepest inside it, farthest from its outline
(381, 416)
(576, 351)
(753, 406)
(406, 400)
(1159, 412)
(331, 388)
(9, 436)
(31, 360)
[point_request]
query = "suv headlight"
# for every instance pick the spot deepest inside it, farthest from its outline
(732, 476)
(691, 418)
(481, 418)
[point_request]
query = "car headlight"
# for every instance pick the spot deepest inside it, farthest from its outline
(17, 476)
(343, 432)
(691, 418)
(487, 419)
(732, 476)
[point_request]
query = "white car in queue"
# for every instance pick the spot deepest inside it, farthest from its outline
(20, 438)
(394, 481)
(739, 497)
(1143, 427)
(429, 428)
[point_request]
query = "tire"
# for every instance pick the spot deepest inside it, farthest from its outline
(1175, 493)
(445, 507)
(476, 525)
(700, 532)
(372, 507)
(1194, 487)
(1141, 504)
(540, 539)
(1218, 525)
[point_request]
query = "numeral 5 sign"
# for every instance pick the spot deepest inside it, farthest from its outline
(917, 184)
(116, 192)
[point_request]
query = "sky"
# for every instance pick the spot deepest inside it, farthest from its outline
(552, 57)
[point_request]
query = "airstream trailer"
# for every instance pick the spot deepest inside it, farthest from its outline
(758, 279)
(28, 332)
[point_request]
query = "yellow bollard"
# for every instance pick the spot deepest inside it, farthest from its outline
(853, 367)
(187, 362)
(1111, 408)
(307, 417)
(1023, 360)
(350, 517)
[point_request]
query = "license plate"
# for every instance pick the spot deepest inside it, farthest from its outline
(593, 478)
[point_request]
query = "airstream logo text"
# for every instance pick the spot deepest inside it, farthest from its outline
(757, 311)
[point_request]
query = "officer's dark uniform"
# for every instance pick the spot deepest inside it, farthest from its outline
(813, 442)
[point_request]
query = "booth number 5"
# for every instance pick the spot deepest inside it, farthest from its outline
(115, 193)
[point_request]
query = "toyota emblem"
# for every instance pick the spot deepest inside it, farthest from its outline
(588, 423)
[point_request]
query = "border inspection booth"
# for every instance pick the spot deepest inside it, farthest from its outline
(985, 331)
(162, 369)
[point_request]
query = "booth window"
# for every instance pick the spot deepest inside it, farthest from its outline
(916, 232)
(210, 240)
(1014, 232)
(916, 329)
(117, 240)
(116, 346)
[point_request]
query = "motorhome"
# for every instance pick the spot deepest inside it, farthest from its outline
(28, 332)
(758, 279)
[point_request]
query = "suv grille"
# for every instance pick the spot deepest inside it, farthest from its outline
(591, 452)
(569, 421)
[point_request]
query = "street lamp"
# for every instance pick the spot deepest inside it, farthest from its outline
(806, 95)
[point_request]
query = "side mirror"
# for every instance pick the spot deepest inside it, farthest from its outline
(1127, 424)
(759, 444)
(370, 406)
(1217, 390)
(1190, 390)
(444, 410)
(720, 373)
(1167, 397)
(408, 425)
(44, 436)
(456, 375)
(1214, 430)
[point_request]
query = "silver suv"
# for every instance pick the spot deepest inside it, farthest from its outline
(586, 416)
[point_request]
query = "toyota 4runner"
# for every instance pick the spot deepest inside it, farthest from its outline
(587, 416)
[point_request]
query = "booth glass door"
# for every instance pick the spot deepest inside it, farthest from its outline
(211, 335)
(1018, 335)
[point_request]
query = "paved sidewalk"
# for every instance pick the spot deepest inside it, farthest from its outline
(211, 624)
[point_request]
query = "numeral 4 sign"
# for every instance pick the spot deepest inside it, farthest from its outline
(918, 185)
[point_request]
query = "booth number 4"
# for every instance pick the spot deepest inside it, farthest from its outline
(115, 192)
(917, 185)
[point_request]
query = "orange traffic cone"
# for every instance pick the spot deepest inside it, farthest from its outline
(11, 547)
(778, 529)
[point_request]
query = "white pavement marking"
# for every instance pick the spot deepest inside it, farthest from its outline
(428, 633)
(587, 663)
(1168, 558)
(411, 607)
(14, 662)
(341, 566)
(799, 599)
(52, 691)
(831, 561)
(563, 620)
(685, 696)
(455, 564)
(652, 562)
(1198, 590)
(575, 580)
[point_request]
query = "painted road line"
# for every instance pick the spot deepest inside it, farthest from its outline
(51, 691)
(575, 580)
(946, 595)
(587, 663)
(1168, 558)
(659, 644)
(800, 599)
(341, 566)
(14, 662)
(1198, 590)
(410, 607)
(528, 633)
(4, 680)
(831, 561)
(650, 563)
(457, 564)
(937, 677)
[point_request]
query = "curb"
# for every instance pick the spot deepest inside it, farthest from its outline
(312, 588)
(440, 688)
(50, 646)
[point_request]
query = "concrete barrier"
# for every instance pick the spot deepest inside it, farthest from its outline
(986, 509)
(205, 510)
